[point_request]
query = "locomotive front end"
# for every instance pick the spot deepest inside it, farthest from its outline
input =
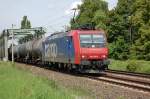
(93, 50)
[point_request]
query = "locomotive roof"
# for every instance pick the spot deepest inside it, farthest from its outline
(62, 34)
(57, 35)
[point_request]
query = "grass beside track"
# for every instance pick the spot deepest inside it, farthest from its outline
(21, 84)
(139, 66)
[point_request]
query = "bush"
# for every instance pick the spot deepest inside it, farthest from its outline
(132, 66)
(147, 57)
(119, 50)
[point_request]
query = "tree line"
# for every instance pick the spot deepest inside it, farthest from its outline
(127, 26)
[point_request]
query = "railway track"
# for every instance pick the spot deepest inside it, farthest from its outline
(131, 80)
(129, 73)
(136, 81)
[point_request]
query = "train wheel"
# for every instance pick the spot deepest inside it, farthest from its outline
(104, 67)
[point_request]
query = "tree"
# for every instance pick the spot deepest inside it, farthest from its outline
(119, 26)
(92, 11)
(141, 20)
(25, 23)
(131, 20)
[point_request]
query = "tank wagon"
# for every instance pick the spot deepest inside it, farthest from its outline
(78, 50)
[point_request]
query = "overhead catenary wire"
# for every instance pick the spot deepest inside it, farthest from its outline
(56, 23)
(56, 19)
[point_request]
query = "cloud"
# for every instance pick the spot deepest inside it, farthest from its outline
(73, 5)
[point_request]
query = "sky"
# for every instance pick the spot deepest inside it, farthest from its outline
(51, 14)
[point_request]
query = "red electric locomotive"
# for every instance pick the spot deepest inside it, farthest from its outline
(91, 51)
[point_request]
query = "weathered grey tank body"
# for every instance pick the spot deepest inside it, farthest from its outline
(30, 49)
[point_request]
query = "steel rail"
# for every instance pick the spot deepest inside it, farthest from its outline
(129, 80)
(128, 84)
(144, 75)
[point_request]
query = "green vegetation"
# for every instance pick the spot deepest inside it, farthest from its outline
(139, 66)
(25, 23)
(21, 84)
(92, 11)
(127, 26)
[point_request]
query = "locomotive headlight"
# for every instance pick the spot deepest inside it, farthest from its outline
(104, 56)
(83, 56)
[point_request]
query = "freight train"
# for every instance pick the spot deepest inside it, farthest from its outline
(79, 50)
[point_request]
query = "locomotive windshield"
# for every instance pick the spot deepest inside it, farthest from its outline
(92, 40)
